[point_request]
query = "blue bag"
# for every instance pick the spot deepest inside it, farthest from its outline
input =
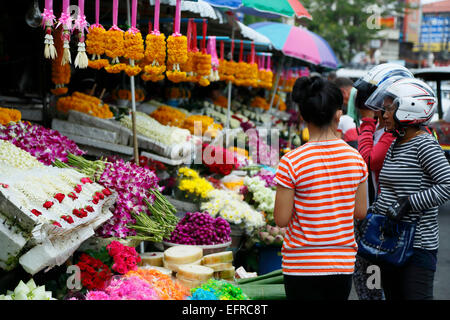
(385, 241)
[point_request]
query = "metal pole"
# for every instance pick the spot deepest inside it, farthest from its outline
(439, 97)
(133, 103)
(276, 88)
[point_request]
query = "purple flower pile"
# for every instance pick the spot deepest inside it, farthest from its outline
(132, 183)
(46, 145)
(200, 228)
(268, 177)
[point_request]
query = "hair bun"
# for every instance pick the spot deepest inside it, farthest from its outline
(317, 84)
(300, 91)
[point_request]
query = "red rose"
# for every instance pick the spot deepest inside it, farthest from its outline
(59, 197)
(68, 219)
(100, 195)
(89, 208)
(72, 195)
(83, 213)
(107, 192)
(86, 180)
(4, 185)
(56, 224)
(48, 204)
(37, 213)
(78, 188)
(95, 200)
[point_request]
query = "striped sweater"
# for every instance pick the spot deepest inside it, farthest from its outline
(418, 169)
(320, 235)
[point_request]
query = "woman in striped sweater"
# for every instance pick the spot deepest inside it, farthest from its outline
(414, 182)
(321, 188)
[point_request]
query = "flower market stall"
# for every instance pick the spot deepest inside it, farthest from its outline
(155, 181)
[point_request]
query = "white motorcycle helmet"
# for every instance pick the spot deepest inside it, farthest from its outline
(414, 100)
(378, 75)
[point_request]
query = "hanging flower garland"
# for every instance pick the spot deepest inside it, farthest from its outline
(134, 45)
(176, 50)
(202, 61)
(48, 20)
(96, 42)
(115, 46)
(66, 21)
(241, 69)
(252, 68)
(155, 52)
(265, 75)
(226, 68)
(81, 60)
(188, 67)
(60, 72)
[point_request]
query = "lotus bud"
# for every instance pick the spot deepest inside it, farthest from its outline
(263, 235)
(279, 239)
(269, 239)
(275, 231)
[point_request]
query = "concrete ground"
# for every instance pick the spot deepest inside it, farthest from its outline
(442, 276)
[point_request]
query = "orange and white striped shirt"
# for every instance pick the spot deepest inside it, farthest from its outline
(320, 236)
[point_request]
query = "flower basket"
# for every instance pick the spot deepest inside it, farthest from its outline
(207, 249)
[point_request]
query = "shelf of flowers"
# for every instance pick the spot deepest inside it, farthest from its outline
(46, 212)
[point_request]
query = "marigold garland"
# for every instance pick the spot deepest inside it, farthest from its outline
(134, 50)
(202, 67)
(265, 78)
(60, 73)
(176, 56)
(227, 70)
(168, 116)
(84, 103)
(95, 45)
(114, 49)
(9, 115)
(153, 62)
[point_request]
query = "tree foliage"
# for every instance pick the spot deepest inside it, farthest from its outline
(349, 25)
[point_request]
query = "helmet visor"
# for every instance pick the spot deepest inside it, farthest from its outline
(377, 99)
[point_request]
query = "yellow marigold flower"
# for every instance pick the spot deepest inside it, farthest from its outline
(132, 70)
(115, 68)
(98, 64)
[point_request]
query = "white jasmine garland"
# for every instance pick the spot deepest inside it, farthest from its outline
(151, 128)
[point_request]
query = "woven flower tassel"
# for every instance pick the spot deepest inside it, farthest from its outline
(134, 45)
(96, 42)
(66, 21)
(48, 20)
(81, 60)
(211, 49)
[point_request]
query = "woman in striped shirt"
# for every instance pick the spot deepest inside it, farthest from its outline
(414, 182)
(321, 188)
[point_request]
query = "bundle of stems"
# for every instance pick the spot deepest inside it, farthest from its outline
(160, 224)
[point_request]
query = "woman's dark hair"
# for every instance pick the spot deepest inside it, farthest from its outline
(318, 99)
(361, 98)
